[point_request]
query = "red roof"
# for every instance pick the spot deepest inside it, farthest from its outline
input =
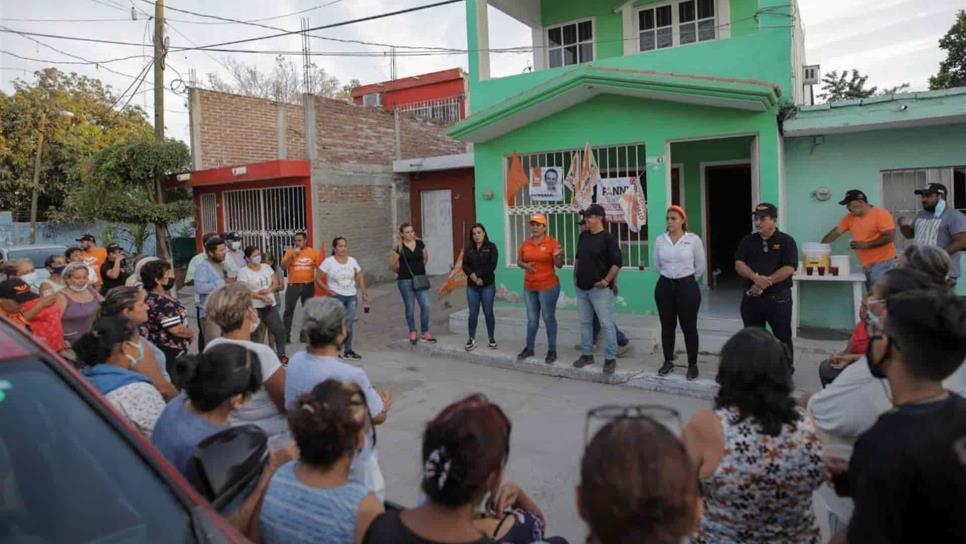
(408, 82)
(243, 172)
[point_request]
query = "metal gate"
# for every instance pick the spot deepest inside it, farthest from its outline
(266, 218)
(209, 213)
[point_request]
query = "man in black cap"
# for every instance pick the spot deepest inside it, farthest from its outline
(114, 271)
(767, 259)
(13, 294)
(938, 225)
(873, 235)
(596, 265)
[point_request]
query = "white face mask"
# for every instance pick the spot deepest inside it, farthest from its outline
(257, 259)
(77, 289)
(30, 279)
(236, 245)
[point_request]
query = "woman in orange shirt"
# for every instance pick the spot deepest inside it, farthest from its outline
(538, 255)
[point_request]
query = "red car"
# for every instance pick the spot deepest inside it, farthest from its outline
(72, 469)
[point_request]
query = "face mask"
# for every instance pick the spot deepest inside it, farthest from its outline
(168, 284)
(77, 289)
(940, 208)
(136, 360)
(255, 325)
(873, 320)
(30, 279)
(257, 259)
(236, 245)
(58, 269)
(875, 368)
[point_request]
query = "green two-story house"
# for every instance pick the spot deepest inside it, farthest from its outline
(707, 103)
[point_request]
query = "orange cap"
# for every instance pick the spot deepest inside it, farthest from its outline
(539, 218)
(680, 210)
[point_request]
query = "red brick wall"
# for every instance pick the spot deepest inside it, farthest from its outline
(295, 132)
(237, 129)
(425, 138)
(353, 134)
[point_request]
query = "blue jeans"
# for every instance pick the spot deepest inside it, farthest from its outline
(622, 339)
(410, 296)
(876, 270)
(544, 302)
(351, 304)
(597, 302)
(475, 296)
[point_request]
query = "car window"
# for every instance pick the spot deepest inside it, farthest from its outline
(67, 476)
(36, 255)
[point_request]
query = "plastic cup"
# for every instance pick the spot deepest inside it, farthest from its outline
(808, 270)
(821, 270)
(834, 270)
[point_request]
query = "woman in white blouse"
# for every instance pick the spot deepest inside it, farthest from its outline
(679, 258)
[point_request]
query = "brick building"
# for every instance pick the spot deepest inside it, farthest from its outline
(268, 169)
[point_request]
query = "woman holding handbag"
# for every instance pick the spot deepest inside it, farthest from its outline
(408, 261)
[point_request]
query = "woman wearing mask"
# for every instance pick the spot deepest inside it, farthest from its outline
(128, 303)
(479, 263)
(167, 325)
(111, 350)
(231, 308)
(215, 384)
(465, 449)
(55, 265)
(329, 425)
(679, 257)
(77, 255)
(262, 280)
(78, 303)
(408, 261)
(342, 276)
(538, 256)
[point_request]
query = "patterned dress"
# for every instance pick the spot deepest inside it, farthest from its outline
(762, 488)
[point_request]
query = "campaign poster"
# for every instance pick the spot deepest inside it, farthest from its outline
(610, 192)
(546, 183)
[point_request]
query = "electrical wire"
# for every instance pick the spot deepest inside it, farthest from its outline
(141, 82)
(48, 61)
(141, 75)
(62, 52)
(228, 21)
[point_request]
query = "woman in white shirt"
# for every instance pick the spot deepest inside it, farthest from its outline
(342, 276)
(679, 258)
(264, 284)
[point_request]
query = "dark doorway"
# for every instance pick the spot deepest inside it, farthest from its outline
(728, 204)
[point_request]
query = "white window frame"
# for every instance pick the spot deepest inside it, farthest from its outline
(676, 24)
(576, 23)
(367, 103)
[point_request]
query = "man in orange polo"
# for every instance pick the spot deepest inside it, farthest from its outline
(93, 256)
(873, 235)
(300, 261)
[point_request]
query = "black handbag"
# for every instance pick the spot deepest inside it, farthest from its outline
(420, 281)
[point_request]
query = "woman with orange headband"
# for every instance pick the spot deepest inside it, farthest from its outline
(679, 257)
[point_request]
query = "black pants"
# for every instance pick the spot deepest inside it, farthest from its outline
(678, 302)
(775, 310)
(170, 357)
(201, 330)
(293, 293)
(827, 374)
(269, 316)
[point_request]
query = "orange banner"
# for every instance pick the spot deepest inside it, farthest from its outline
(455, 279)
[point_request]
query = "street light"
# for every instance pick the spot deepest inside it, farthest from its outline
(36, 184)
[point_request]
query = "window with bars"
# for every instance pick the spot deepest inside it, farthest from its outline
(623, 161)
(572, 43)
(446, 110)
(676, 23)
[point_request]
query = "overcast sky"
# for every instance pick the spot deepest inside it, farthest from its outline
(892, 41)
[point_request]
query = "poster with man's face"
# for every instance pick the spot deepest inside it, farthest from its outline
(546, 183)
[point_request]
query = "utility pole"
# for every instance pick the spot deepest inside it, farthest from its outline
(160, 231)
(36, 184)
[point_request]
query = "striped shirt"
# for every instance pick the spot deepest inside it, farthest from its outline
(164, 312)
(293, 512)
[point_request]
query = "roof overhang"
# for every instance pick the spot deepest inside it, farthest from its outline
(587, 81)
(224, 175)
(430, 164)
(906, 110)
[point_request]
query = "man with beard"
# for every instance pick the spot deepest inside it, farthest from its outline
(210, 275)
(938, 225)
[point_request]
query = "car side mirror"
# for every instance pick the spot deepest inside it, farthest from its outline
(228, 461)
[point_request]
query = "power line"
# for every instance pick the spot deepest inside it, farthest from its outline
(62, 52)
(19, 20)
(48, 61)
(227, 21)
(139, 79)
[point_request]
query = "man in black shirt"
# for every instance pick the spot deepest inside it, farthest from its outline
(596, 265)
(114, 270)
(907, 474)
(767, 259)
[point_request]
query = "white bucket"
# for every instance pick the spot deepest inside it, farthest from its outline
(843, 263)
(815, 255)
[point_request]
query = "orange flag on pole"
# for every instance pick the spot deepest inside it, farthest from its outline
(455, 279)
(516, 179)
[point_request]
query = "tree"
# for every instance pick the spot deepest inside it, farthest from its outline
(845, 86)
(282, 84)
(346, 93)
(119, 187)
(952, 71)
(70, 141)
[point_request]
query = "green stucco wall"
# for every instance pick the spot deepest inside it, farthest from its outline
(854, 161)
(619, 120)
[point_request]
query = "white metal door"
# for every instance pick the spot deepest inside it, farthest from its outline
(209, 213)
(266, 218)
(437, 213)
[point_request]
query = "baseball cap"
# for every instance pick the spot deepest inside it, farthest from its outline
(539, 218)
(232, 236)
(113, 247)
(765, 210)
(932, 188)
(16, 289)
(853, 194)
(594, 209)
(86, 238)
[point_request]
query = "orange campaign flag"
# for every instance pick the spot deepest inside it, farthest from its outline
(455, 279)
(516, 179)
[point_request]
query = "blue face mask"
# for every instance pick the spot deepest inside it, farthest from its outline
(940, 208)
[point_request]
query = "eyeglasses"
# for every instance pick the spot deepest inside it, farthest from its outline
(874, 301)
(602, 415)
(764, 245)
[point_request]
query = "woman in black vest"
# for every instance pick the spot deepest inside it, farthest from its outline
(479, 263)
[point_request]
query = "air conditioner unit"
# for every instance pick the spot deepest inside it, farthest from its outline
(372, 100)
(811, 74)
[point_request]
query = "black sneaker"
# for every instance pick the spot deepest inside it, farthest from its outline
(692, 372)
(551, 357)
(492, 344)
(666, 368)
(527, 352)
(470, 344)
(583, 361)
(610, 365)
(351, 356)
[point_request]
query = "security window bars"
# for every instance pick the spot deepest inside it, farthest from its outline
(571, 43)
(677, 23)
(446, 111)
(266, 218)
(898, 191)
(621, 161)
